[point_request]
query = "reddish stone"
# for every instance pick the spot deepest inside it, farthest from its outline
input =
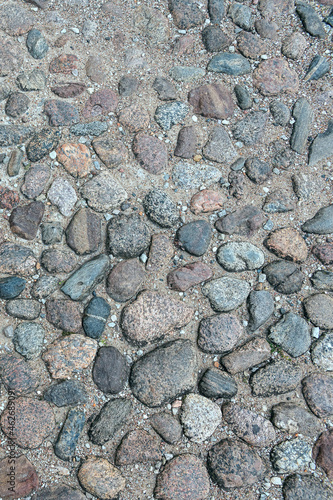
(187, 276)
(61, 113)
(134, 118)
(323, 453)
(16, 375)
(8, 199)
(206, 200)
(110, 150)
(212, 101)
(83, 233)
(61, 41)
(76, 159)
(64, 314)
(251, 45)
(274, 76)
(65, 64)
(66, 90)
(25, 221)
(183, 45)
(287, 243)
(58, 261)
(324, 253)
(151, 153)
(318, 393)
(245, 221)
(102, 102)
(26, 479)
(160, 253)
(138, 446)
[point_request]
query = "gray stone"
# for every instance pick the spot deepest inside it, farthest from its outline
(322, 146)
(11, 135)
(128, 237)
(82, 281)
(128, 85)
(66, 393)
(244, 100)
(303, 114)
(280, 113)
(110, 371)
(240, 256)
(285, 277)
(257, 170)
(311, 21)
(31, 80)
(44, 286)
(261, 307)
(216, 10)
(199, 417)
(42, 143)
(62, 195)
(254, 352)
(226, 294)
(167, 427)
(95, 316)
(194, 237)
(293, 419)
(103, 192)
(170, 114)
(186, 73)
(229, 64)
(322, 352)
(28, 339)
(110, 420)
(69, 435)
(15, 259)
(93, 128)
(279, 201)
(35, 181)
(290, 456)
(188, 176)
(219, 147)
(11, 287)
(322, 280)
(244, 221)
(294, 45)
(319, 310)
(15, 161)
(58, 261)
(52, 232)
(217, 384)
(165, 89)
(23, 308)
(318, 393)
(319, 66)
(125, 279)
(300, 486)
(214, 39)
(160, 208)
(219, 334)
(36, 44)
(292, 333)
(278, 377)
(250, 129)
(241, 15)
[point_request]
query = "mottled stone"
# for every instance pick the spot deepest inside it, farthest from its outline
(76, 159)
(31, 80)
(23, 308)
(95, 69)
(279, 201)
(61, 114)
(81, 283)
(42, 143)
(205, 201)
(220, 333)
(252, 353)
(244, 221)
(322, 453)
(160, 253)
(112, 417)
(324, 253)
(185, 277)
(111, 151)
(151, 153)
(285, 277)
(250, 129)
(17, 104)
(125, 279)
(229, 64)
(11, 287)
(293, 419)
(102, 102)
(219, 147)
(278, 377)
(292, 333)
(280, 112)
(17, 375)
(170, 114)
(134, 118)
(103, 192)
(101, 479)
(36, 44)
(212, 101)
(239, 256)
(63, 314)
(95, 316)
(274, 76)
(249, 426)
(287, 243)
(199, 417)
(44, 286)
(68, 90)
(189, 176)
(138, 446)
(57, 261)
(226, 294)
(165, 89)
(83, 234)
(128, 236)
(250, 45)
(303, 114)
(217, 384)
(26, 480)
(160, 208)
(321, 147)
(299, 486)
(128, 85)
(310, 19)
(318, 393)
(167, 427)
(322, 352)
(66, 393)
(8, 199)
(319, 310)
(65, 64)
(294, 45)
(290, 456)
(17, 259)
(35, 181)
(62, 492)
(25, 220)
(322, 280)
(241, 15)
(69, 435)
(214, 39)
(187, 142)
(186, 14)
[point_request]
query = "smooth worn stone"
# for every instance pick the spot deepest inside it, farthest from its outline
(290, 456)
(63, 314)
(183, 477)
(229, 64)
(241, 15)
(321, 148)
(152, 24)
(280, 112)
(31, 80)
(26, 478)
(216, 10)
(164, 374)
(17, 104)
(51, 232)
(25, 220)
(102, 102)
(233, 464)
(101, 479)
(67, 90)
(161, 252)
(199, 417)
(10, 57)
(194, 237)
(95, 69)
(217, 384)
(165, 89)
(84, 280)
(250, 129)
(188, 176)
(151, 153)
(240, 256)
(11, 287)
(128, 85)
(322, 453)
(11, 135)
(257, 170)
(69, 435)
(95, 128)
(42, 143)
(76, 159)
(23, 308)
(226, 294)
(135, 118)
(250, 45)
(125, 279)
(299, 486)
(303, 114)
(186, 14)
(292, 333)
(322, 352)
(66, 393)
(274, 76)
(17, 375)
(170, 114)
(57, 261)
(185, 277)
(249, 426)
(69, 355)
(321, 222)
(8, 199)
(44, 286)
(128, 236)
(244, 221)
(83, 234)
(219, 147)
(244, 100)
(324, 253)
(274, 8)
(266, 29)
(138, 446)
(15, 259)
(65, 64)
(167, 427)
(160, 208)
(103, 192)
(279, 201)
(28, 339)
(61, 114)
(260, 305)
(205, 201)
(220, 333)
(111, 151)
(310, 19)
(212, 101)
(35, 181)
(34, 422)
(252, 353)
(111, 370)
(36, 44)
(186, 73)
(285, 277)
(112, 417)
(278, 377)
(319, 310)
(319, 66)
(15, 20)
(95, 316)
(187, 142)
(293, 419)
(318, 394)
(287, 243)
(214, 39)
(322, 280)
(294, 45)
(151, 316)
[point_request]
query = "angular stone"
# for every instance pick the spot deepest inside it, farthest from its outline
(322, 280)
(250, 45)
(167, 427)
(303, 114)
(128, 85)
(244, 221)
(271, 8)
(199, 417)
(186, 14)
(322, 352)
(318, 393)
(112, 417)
(10, 56)
(95, 316)
(252, 353)
(219, 147)
(68, 90)
(111, 370)
(8, 199)
(138, 447)
(250, 129)
(292, 334)
(324, 253)
(42, 143)
(186, 73)
(278, 377)
(76, 159)
(319, 310)
(32, 80)
(101, 479)
(293, 419)
(83, 234)
(322, 453)
(23, 308)
(279, 201)
(261, 307)
(17, 104)
(24, 221)
(84, 280)
(187, 142)
(36, 44)
(188, 176)
(102, 102)
(57, 261)
(294, 45)
(205, 201)
(165, 89)
(128, 236)
(63, 314)
(61, 114)
(194, 237)
(321, 223)
(66, 393)
(249, 426)
(185, 277)
(241, 15)
(290, 456)
(16, 20)
(95, 69)
(310, 19)
(274, 76)
(240, 256)
(44, 286)
(26, 479)
(226, 294)
(299, 486)
(160, 253)
(65, 64)
(160, 208)
(152, 24)
(151, 153)
(214, 39)
(280, 112)
(17, 259)
(257, 170)
(62, 195)
(285, 277)
(212, 101)
(321, 148)
(134, 118)
(17, 376)
(229, 64)
(170, 114)
(11, 287)
(111, 151)
(216, 10)
(103, 192)
(35, 181)
(220, 333)
(287, 243)
(244, 99)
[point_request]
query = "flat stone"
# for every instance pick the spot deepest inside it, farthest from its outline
(65, 64)
(68, 90)
(303, 114)
(194, 237)
(167, 427)
(244, 99)
(57, 261)
(241, 15)
(95, 128)
(292, 333)
(219, 147)
(63, 314)
(244, 221)
(125, 280)
(319, 310)
(250, 129)
(298, 486)
(26, 478)
(34, 422)
(212, 101)
(188, 176)
(17, 375)
(10, 56)
(253, 353)
(233, 464)
(249, 426)
(165, 89)
(102, 102)
(28, 339)
(23, 308)
(128, 85)
(31, 80)
(17, 104)
(161, 252)
(11, 287)
(151, 153)
(69, 435)
(103, 192)
(280, 112)
(294, 45)
(84, 280)
(25, 220)
(186, 14)
(285, 277)
(261, 307)
(199, 417)
(151, 316)
(293, 419)
(128, 236)
(42, 143)
(278, 377)
(321, 223)
(164, 374)
(35, 181)
(111, 151)
(217, 384)
(205, 201)
(287, 243)
(66, 393)
(52, 232)
(8, 199)
(135, 118)
(250, 45)
(138, 446)
(239, 256)
(279, 201)
(214, 39)
(219, 334)
(322, 352)
(229, 64)
(112, 417)
(69, 355)
(36, 44)
(310, 20)
(186, 73)
(322, 280)
(322, 453)
(187, 142)
(16, 259)
(160, 208)
(12, 135)
(185, 277)
(274, 76)
(111, 370)
(321, 148)
(271, 9)
(95, 69)
(290, 456)
(84, 232)
(76, 159)
(101, 479)
(318, 394)
(60, 113)
(95, 316)
(226, 294)
(152, 24)
(170, 114)
(15, 20)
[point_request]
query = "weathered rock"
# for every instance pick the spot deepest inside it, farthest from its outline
(294, 45)
(205, 201)
(214, 39)
(24, 221)
(68, 392)
(244, 100)
(111, 151)
(322, 352)
(298, 486)
(285, 277)
(252, 353)
(199, 417)
(151, 153)
(112, 417)
(319, 66)
(311, 21)
(186, 73)
(42, 143)
(17, 259)
(217, 384)
(185, 277)
(291, 333)
(103, 192)
(28, 339)
(241, 15)
(257, 170)
(287, 243)
(128, 85)
(322, 280)
(261, 307)
(81, 282)
(63, 314)
(17, 376)
(303, 115)
(111, 370)
(318, 393)
(17, 104)
(321, 148)
(165, 89)
(290, 456)
(76, 159)
(63, 196)
(226, 294)
(186, 14)
(57, 261)
(280, 112)
(170, 114)
(83, 234)
(65, 64)
(61, 114)
(44, 286)
(125, 279)
(194, 237)
(11, 287)
(249, 426)
(274, 76)
(250, 129)
(279, 201)
(229, 64)
(36, 44)
(138, 447)
(128, 236)
(319, 310)
(31, 80)
(321, 223)
(24, 481)
(188, 176)
(102, 102)
(216, 10)
(68, 90)
(324, 253)
(69, 435)
(95, 316)
(322, 453)
(250, 45)
(160, 252)
(10, 56)
(35, 181)
(212, 101)
(219, 147)
(101, 479)
(160, 208)
(95, 69)
(23, 308)
(61, 492)
(240, 256)
(218, 334)
(187, 142)
(244, 221)
(95, 128)
(134, 118)
(278, 377)
(292, 418)
(167, 427)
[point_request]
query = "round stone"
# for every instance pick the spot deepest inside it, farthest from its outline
(200, 417)
(125, 279)
(101, 479)
(226, 294)
(110, 371)
(128, 237)
(240, 256)
(194, 237)
(28, 339)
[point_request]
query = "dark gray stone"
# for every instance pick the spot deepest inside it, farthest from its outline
(95, 316)
(160, 208)
(93, 128)
(128, 237)
(261, 307)
(278, 377)
(186, 14)
(280, 113)
(257, 170)
(303, 114)
(216, 10)
(52, 232)
(319, 66)
(128, 85)
(69, 435)
(23, 308)
(285, 277)
(82, 281)
(214, 39)
(11, 287)
(194, 237)
(36, 44)
(61, 492)
(42, 143)
(322, 280)
(322, 146)
(11, 135)
(229, 64)
(244, 221)
(321, 222)
(111, 370)
(67, 393)
(217, 384)
(167, 427)
(311, 21)
(243, 97)
(165, 89)
(112, 417)
(291, 333)
(241, 15)
(300, 486)
(170, 114)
